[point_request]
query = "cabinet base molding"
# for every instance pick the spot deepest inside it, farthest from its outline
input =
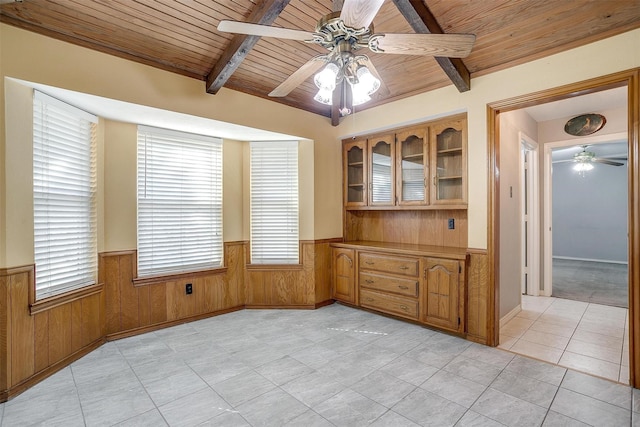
(157, 326)
(22, 386)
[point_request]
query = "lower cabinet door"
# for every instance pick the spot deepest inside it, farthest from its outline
(344, 275)
(392, 304)
(441, 284)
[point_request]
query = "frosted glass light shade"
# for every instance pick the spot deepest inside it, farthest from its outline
(326, 79)
(583, 167)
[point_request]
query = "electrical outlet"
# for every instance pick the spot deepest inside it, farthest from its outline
(188, 288)
(452, 223)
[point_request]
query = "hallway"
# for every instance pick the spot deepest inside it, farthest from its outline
(590, 338)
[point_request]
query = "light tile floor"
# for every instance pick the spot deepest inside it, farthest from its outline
(335, 366)
(590, 338)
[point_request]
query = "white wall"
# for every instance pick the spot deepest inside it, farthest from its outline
(590, 213)
(511, 125)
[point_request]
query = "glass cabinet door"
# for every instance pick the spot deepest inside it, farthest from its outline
(412, 160)
(381, 182)
(355, 191)
(449, 163)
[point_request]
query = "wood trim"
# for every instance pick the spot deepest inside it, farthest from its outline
(162, 325)
(17, 270)
(118, 253)
(50, 370)
(323, 303)
(281, 307)
(154, 280)
(274, 267)
(65, 298)
(629, 78)
(236, 242)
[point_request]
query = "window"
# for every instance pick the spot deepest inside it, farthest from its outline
(274, 202)
(179, 202)
(64, 196)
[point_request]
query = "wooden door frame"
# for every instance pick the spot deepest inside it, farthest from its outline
(630, 79)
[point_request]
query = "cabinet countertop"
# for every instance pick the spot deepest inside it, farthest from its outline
(406, 248)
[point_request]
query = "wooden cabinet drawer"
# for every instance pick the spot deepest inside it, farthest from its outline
(396, 285)
(389, 264)
(393, 304)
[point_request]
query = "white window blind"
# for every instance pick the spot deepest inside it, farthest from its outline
(274, 202)
(179, 202)
(64, 196)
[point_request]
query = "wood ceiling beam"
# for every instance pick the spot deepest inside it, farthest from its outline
(422, 21)
(263, 13)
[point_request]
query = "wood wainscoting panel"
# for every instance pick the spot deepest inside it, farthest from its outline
(22, 327)
(59, 332)
(41, 321)
(477, 296)
(129, 308)
(283, 286)
(408, 226)
(157, 303)
(322, 270)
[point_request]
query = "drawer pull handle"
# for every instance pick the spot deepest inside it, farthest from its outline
(404, 267)
(370, 281)
(403, 287)
(369, 299)
(404, 307)
(369, 262)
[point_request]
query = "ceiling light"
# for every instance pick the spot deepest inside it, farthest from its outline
(324, 96)
(326, 79)
(583, 166)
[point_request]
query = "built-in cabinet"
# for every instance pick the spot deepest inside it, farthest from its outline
(405, 200)
(421, 283)
(411, 168)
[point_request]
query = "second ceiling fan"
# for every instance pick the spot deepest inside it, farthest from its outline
(343, 34)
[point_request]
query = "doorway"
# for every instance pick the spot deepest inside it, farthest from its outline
(627, 80)
(585, 220)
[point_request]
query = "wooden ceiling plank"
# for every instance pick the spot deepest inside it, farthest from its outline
(263, 13)
(422, 21)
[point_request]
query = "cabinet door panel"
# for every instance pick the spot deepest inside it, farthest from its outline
(442, 285)
(355, 173)
(344, 283)
(449, 162)
(412, 160)
(381, 171)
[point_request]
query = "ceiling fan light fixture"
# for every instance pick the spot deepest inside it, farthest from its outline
(326, 79)
(583, 166)
(324, 96)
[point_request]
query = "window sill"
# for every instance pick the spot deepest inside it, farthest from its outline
(153, 280)
(64, 298)
(274, 267)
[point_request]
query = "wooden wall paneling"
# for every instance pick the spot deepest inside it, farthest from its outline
(234, 254)
(22, 328)
(307, 281)
(110, 276)
(158, 303)
(59, 333)
(76, 325)
(5, 335)
(92, 315)
(207, 301)
(41, 340)
(129, 315)
(322, 271)
(478, 296)
(256, 294)
(173, 301)
(144, 306)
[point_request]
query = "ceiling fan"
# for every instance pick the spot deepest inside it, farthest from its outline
(585, 159)
(342, 34)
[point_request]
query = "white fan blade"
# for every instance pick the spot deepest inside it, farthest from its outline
(359, 13)
(449, 45)
(263, 30)
(299, 76)
(607, 162)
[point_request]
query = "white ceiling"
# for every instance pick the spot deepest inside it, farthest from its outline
(112, 109)
(606, 150)
(571, 107)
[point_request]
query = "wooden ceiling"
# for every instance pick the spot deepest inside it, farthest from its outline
(181, 36)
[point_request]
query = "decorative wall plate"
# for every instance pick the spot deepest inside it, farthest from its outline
(585, 124)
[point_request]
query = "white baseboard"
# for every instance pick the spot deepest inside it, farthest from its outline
(510, 315)
(591, 260)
